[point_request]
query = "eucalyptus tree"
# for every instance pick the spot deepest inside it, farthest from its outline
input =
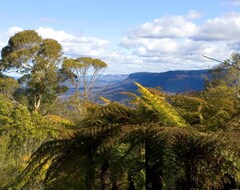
(226, 73)
(38, 61)
(222, 93)
(8, 86)
(85, 71)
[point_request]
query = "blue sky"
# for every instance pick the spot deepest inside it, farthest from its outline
(132, 36)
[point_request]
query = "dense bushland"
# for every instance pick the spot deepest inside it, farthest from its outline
(161, 141)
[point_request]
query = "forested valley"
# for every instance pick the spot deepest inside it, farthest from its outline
(157, 141)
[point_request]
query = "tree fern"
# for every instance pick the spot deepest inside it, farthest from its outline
(167, 113)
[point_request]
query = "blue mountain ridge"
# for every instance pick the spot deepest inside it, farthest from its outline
(110, 86)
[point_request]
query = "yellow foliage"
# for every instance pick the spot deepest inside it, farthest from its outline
(59, 120)
(159, 104)
(25, 158)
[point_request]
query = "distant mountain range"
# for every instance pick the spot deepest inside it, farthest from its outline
(171, 82)
(102, 83)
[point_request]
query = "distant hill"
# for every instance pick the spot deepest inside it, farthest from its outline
(110, 85)
(171, 82)
(102, 83)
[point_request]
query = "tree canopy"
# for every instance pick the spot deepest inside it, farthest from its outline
(38, 60)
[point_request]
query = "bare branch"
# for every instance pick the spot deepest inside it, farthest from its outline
(223, 62)
(213, 59)
(16, 102)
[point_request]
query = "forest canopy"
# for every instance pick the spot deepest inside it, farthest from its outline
(157, 141)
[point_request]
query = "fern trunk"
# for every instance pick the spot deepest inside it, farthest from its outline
(116, 186)
(90, 176)
(190, 172)
(131, 185)
(105, 176)
(153, 176)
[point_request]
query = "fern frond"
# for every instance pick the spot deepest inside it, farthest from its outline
(105, 100)
(167, 113)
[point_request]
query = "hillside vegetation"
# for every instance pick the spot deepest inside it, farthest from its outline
(159, 141)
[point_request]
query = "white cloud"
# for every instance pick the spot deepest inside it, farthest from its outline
(167, 43)
(176, 42)
(79, 46)
(51, 33)
(13, 30)
(2, 44)
(75, 45)
(226, 27)
(150, 44)
(10, 32)
(166, 27)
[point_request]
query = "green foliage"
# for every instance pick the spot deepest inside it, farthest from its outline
(210, 109)
(137, 143)
(21, 133)
(222, 106)
(161, 142)
(38, 61)
(20, 49)
(190, 107)
(83, 73)
(8, 86)
(166, 112)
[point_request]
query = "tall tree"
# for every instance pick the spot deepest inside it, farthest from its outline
(226, 73)
(38, 61)
(85, 71)
(222, 92)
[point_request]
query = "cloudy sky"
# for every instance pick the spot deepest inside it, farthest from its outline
(132, 35)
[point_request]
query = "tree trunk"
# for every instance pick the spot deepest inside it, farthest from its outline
(153, 177)
(90, 176)
(116, 186)
(37, 102)
(189, 173)
(105, 176)
(131, 182)
(231, 184)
